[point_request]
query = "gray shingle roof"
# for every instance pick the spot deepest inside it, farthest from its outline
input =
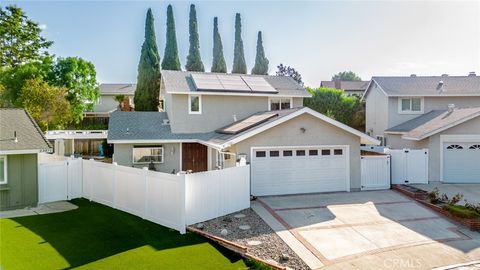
(181, 82)
(347, 85)
(29, 135)
(429, 85)
(436, 121)
(117, 88)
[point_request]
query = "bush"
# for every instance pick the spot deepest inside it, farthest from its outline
(434, 196)
(461, 211)
(471, 206)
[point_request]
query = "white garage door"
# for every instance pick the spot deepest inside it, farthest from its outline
(461, 162)
(282, 170)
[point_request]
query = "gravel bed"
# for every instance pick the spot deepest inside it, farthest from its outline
(271, 247)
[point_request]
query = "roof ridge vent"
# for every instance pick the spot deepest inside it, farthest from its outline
(472, 74)
(444, 75)
(413, 75)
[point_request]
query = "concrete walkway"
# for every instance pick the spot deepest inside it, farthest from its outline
(47, 208)
(367, 230)
(471, 192)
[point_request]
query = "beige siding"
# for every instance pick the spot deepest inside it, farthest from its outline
(430, 103)
(217, 111)
(317, 132)
(376, 111)
(395, 141)
(107, 103)
(123, 156)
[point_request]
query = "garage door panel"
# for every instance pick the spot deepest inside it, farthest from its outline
(298, 174)
(461, 162)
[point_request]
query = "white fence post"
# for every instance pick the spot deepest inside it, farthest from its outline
(90, 161)
(114, 169)
(183, 200)
(145, 177)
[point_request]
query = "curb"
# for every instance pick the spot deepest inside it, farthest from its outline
(241, 250)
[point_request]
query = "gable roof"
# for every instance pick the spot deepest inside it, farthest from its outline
(434, 122)
(117, 88)
(180, 82)
(149, 127)
(436, 86)
(29, 137)
(347, 85)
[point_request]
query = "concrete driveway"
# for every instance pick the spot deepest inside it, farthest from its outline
(367, 230)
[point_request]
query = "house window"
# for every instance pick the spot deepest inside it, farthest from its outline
(147, 154)
(280, 104)
(325, 152)
(313, 152)
(454, 146)
(275, 153)
(287, 153)
(194, 104)
(383, 140)
(410, 105)
(338, 152)
(3, 170)
(260, 154)
(475, 146)
(300, 153)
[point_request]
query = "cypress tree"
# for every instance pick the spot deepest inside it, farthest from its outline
(239, 65)
(170, 57)
(148, 78)
(218, 64)
(194, 61)
(261, 62)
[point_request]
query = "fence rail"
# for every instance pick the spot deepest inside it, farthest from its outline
(170, 200)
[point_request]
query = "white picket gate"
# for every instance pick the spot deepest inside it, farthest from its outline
(59, 180)
(409, 166)
(375, 172)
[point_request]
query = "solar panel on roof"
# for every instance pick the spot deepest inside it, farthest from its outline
(258, 84)
(246, 123)
(206, 82)
(233, 83)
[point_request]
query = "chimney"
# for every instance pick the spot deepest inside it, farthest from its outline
(413, 75)
(337, 84)
(472, 74)
(451, 107)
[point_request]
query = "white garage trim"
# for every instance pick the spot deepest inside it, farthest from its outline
(454, 138)
(346, 153)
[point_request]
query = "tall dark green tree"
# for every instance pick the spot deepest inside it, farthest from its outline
(239, 65)
(170, 57)
(218, 63)
(148, 78)
(261, 62)
(194, 61)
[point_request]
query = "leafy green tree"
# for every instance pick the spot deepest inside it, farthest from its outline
(170, 57)
(218, 63)
(349, 110)
(194, 61)
(20, 39)
(346, 76)
(14, 78)
(261, 62)
(148, 78)
(79, 77)
(46, 104)
(239, 65)
(290, 72)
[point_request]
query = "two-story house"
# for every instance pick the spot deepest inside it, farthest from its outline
(210, 121)
(440, 113)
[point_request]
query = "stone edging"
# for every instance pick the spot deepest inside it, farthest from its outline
(242, 250)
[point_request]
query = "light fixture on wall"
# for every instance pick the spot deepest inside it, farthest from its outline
(302, 129)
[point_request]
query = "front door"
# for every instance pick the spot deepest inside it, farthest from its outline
(194, 157)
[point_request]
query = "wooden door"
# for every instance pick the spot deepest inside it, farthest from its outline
(194, 157)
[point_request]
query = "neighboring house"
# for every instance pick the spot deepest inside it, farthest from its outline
(348, 87)
(440, 113)
(213, 121)
(106, 103)
(20, 142)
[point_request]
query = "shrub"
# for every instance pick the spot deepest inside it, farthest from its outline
(456, 199)
(434, 196)
(471, 206)
(461, 211)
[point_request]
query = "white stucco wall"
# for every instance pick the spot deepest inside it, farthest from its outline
(376, 111)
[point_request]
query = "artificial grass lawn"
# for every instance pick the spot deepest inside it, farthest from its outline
(99, 237)
(461, 211)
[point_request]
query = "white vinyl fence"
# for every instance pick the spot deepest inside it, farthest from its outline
(170, 200)
(375, 172)
(409, 166)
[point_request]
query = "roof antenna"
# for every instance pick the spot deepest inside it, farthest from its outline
(15, 139)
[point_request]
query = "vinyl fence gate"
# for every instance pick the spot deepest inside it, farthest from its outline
(409, 166)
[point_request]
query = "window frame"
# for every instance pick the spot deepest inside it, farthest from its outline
(190, 96)
(410, 111)
(151, 148)
(5, 172)
(279, 99)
